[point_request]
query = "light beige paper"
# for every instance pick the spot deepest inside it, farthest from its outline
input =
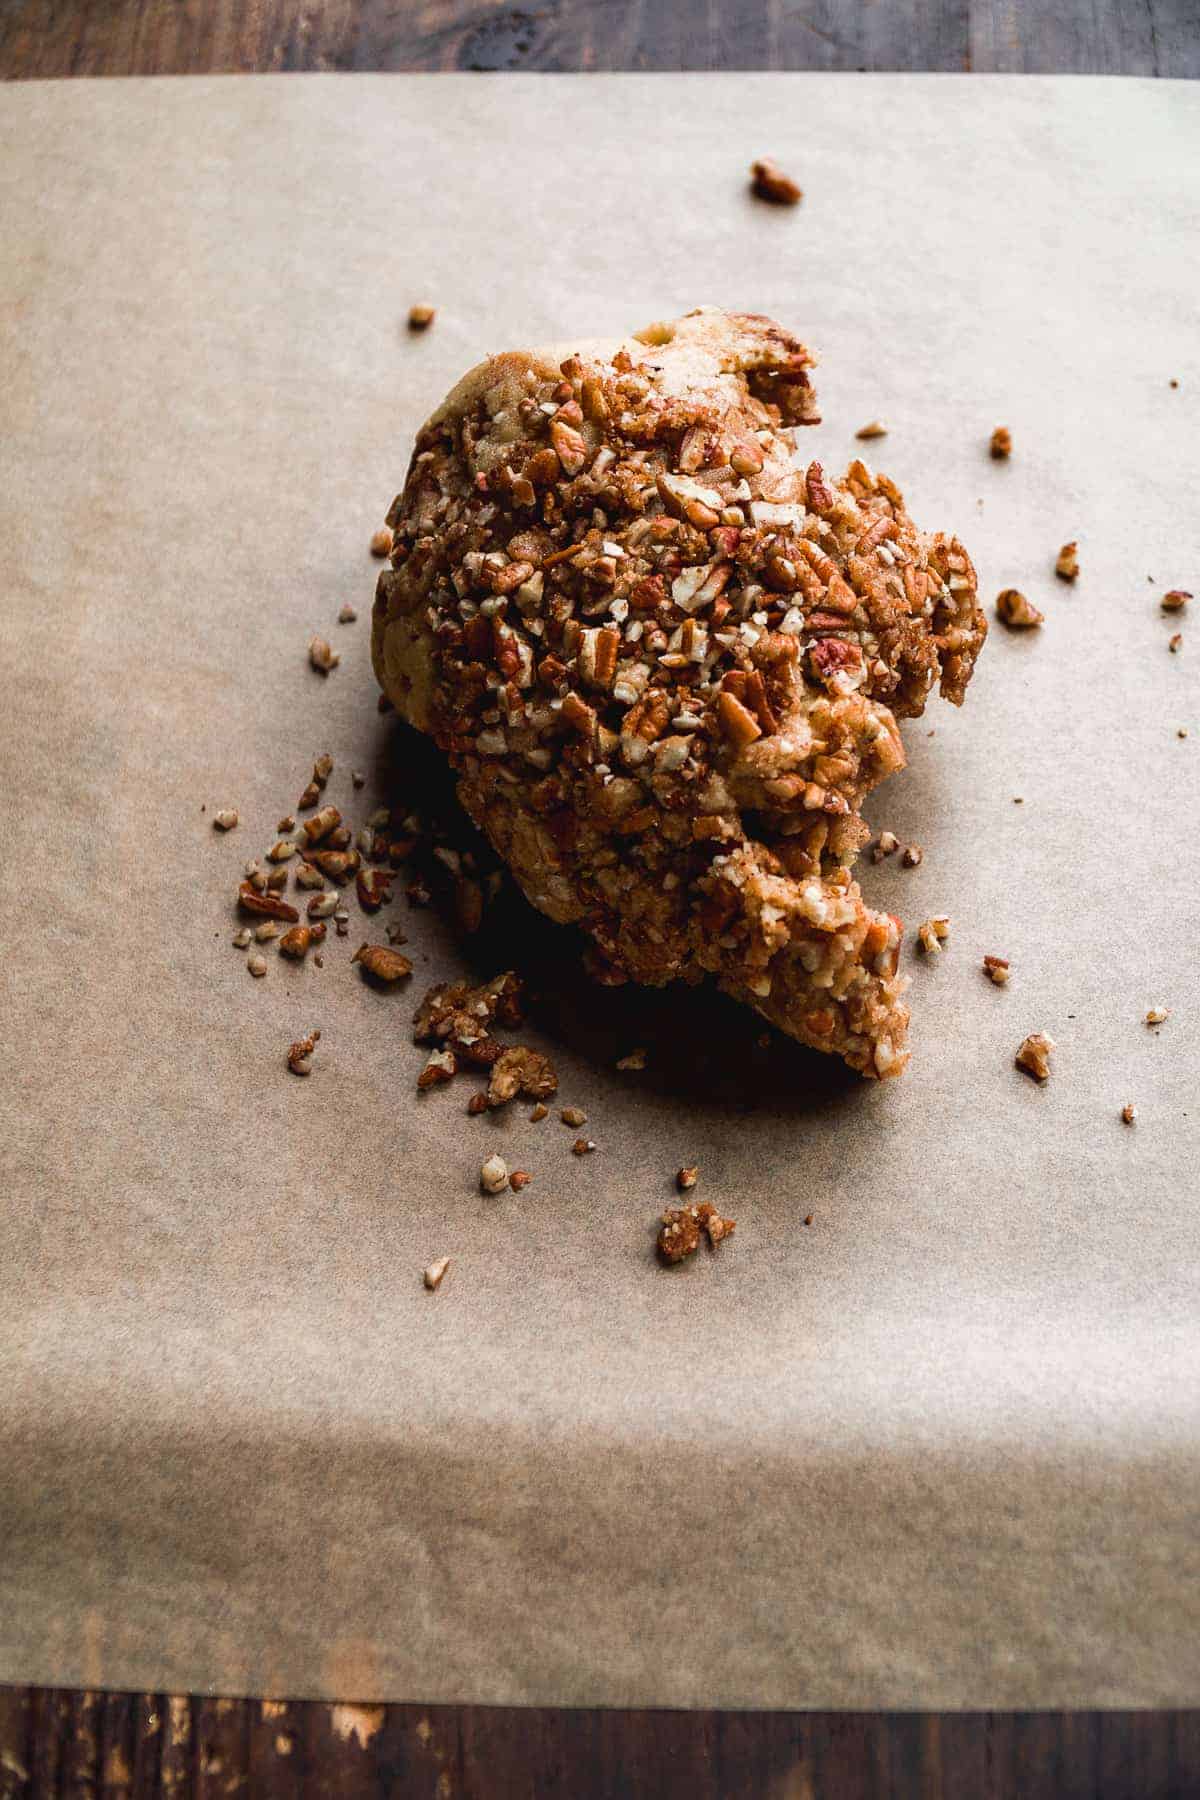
(942, 1447)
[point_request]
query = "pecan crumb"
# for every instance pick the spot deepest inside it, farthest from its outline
(241, 938)
(225, 820)
(435, 1272)
(886, 844)
(358, 779)
(477, 1104)
(876, 429)
(520, 1178)
(679, 1234)
(299, 1056)
(1067, 566)
(493, 1175)
(1175, 600)
(309, 876)
(281, 851)
(996, 969)
(931, 934)
(269, 906)
(635, 1060)
(322, 768)
(321, 824)
(687, 1178)
(1001, 443)
(1015, 611)
(583, 1146)
(309, 797)
(441, 1067)
(1175, 643)
(322, 655)
(382, 962)
(347, 614)
(396, 934)
(421, 317)
(521, 1070)
(257, 964)
(1158, 1015)
(768, 182)
(264, 933)
(913, 854)
(298, 941)
(287, 823)
(538, 1113)
(381, 541)
(1129, 1112)
(573, 1115)
(808, 1218)
(1034, 1055)
(713, 1224)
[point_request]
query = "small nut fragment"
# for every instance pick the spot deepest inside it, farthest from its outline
(635, 1060)
(373, 887)
(281, 851)
(687, 1178)
(1175, 644)
(322, 655)
(932, 933)
(381, 541)
(1173, 601)
(322, 905)
(287, 823)
(269, 906)
(309, 876)
(493, 1175)
(421, 317)
(538, 1113)
(381, 962)
(913, 855)
(1034, 1055)
(277, 878)
(225, 820)
(714, 1225)
(309, 797)
(435, 1272)
(257, 964)
(768, 182)
(679, 1233)
(874, 430)
(298, 941)
(441, 1067)
(477, 1104)
(1129, 1112)
(299, 1057)
(1015, 611)
(241, 938)
(347, 614)
(322, 768)
(321, 824)
(737, 721)
(885, 845)
(996, 969)
(520, 1070)
(520, 1178)
(573, 1115)
(1067, 566)
(583, 1146)
(1158, 1015)
(1001, 444)
(357, 778)
(268, 930)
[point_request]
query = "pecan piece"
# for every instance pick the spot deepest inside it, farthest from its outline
(299, 1056)
(768, 182)
(269, 906)
(817, 489)
(299, 940)
(383, 963)
(1015, 611)
(1034, 1055)
(521, 1070)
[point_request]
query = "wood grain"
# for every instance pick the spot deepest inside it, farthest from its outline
(151, 1746)
(173, 37)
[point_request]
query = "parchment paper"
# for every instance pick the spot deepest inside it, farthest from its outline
(939, 1448)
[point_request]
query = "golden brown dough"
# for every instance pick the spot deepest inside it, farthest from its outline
(666, 660)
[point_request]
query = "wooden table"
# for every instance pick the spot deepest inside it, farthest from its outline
(126, 1746)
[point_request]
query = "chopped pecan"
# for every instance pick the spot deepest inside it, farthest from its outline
(322, 655)
(299, 940)
(1034, 1055)
(1067, 565)
(768, 182)
(383, 963)
(1001, 443)
(737, 722)
(1015, 611)
(440, 1068)
(267, 905)
(299, 1056)
(373, 887)
(520, 1070)
(817, 489)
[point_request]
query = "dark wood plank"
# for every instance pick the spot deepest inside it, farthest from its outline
(164, 37)
(54, 1743)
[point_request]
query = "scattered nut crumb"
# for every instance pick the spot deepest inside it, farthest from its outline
(1158, 1015)
(477, 1104)
(309, 797)
(373, 887)
(281, 851)
(520, 1178)
(347, 614)
(996, 969)
(635, 1060)
(225, 820)
(1173, 382)
(913, 854)
(1129, 1112)
(932, 932)
(886, 844)
(384, 963)
(420, 318)
(493, 1175)
(808, 1218)
(321, 824)
(1001, 443)
(277, 878)
(434, 1273)
(358, 779)
(538, 1113)
(269, 906)
(297, 942)
(521, 1070)
(1015, 611)
(1034, 1055)
(299, 1057)
(768, 182)
(686, 1178)
(322, 655)
(1182, 731)
(1175, 643)
(1067, 566)
(679, 1234)
(257, 964)
(573, 1115)
(287, 823)
(441, 1067)
(583, 1146)
(269, 929)
(1173, 601)
(309, 876)
(396, 934)
(874, 430)
(381, 541)
(322, 768)
(713, 1224)
(241, 938)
